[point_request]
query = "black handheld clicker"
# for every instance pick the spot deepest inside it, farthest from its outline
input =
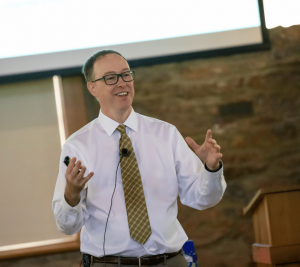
(67, 160)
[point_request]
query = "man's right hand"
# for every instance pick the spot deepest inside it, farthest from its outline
(75, 181)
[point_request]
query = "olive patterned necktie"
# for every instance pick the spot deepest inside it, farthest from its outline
(137, 214)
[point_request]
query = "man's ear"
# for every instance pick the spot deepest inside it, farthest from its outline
(91, 88)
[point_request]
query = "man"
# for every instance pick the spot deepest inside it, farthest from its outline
(126, 205)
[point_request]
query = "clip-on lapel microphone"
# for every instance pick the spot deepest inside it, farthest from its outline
(125, 152)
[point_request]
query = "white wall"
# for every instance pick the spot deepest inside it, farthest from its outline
(29, 157)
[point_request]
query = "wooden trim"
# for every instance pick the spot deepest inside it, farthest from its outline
(275, 255)
(41, 247)
(267, 214)
(264, 191)
(74, 105)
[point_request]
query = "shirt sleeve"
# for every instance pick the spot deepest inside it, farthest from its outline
(198, 188)
(69, 220)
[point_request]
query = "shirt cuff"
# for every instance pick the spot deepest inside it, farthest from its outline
(66, 207)
(220, 167)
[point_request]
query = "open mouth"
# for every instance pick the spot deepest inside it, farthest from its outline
(122, 94)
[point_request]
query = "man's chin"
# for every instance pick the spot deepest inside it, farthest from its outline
(125, 109)
(122, 108)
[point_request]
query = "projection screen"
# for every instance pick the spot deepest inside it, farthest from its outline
(47, 37)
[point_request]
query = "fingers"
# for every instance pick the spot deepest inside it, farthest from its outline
(217, 147)
(76, 168)
(212, 141)
(70, 166)
(88, 177)
(192, 143)
(209, 139)
(218, 155)
(80, 172)
(214, 148)
(83, 180)
(73, 164)
(75, 177)
(208, 135)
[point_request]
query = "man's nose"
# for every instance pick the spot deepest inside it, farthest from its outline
(121, 81)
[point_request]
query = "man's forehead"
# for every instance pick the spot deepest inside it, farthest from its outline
(111, 63)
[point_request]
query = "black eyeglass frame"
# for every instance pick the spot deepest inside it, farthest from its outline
(132, 72)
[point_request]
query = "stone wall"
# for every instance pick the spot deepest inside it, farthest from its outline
(252, 104)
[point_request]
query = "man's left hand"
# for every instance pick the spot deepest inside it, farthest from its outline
(209, 152)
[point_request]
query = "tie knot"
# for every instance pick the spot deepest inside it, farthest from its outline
(122, 129)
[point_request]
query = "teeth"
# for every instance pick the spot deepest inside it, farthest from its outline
(125, 93)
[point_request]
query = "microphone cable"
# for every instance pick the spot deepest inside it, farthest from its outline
(125, 153)
(111, 205)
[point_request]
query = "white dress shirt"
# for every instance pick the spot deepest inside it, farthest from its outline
(168, 168)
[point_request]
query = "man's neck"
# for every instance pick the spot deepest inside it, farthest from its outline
(120, 116)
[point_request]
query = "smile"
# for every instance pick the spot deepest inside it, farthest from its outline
(123, 93)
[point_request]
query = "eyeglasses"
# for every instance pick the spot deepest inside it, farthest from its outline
(112, 79)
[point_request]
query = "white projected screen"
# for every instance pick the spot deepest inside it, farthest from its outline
(31, 30)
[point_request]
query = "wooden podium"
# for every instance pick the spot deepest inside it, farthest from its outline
(276, 220)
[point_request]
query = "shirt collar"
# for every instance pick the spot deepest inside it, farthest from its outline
(109, 125)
